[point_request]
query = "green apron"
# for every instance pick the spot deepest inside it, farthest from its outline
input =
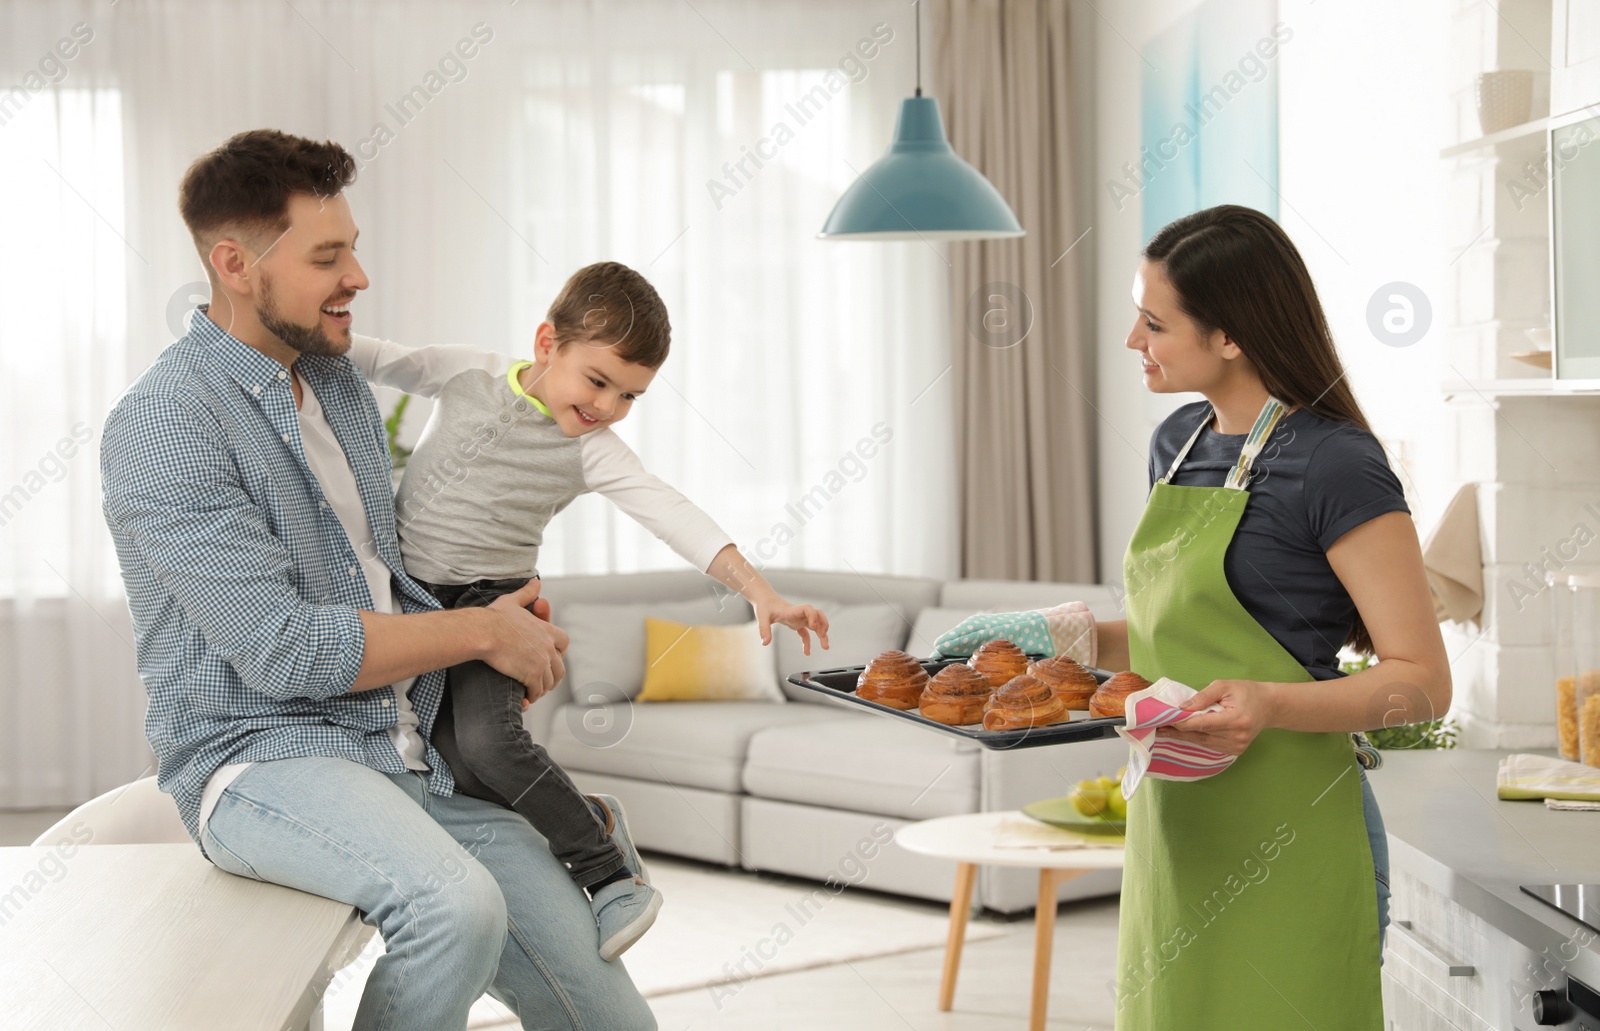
(1247, 898)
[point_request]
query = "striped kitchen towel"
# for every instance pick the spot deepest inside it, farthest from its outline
(1165, 758)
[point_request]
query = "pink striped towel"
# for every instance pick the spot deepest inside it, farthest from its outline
(1165, 758)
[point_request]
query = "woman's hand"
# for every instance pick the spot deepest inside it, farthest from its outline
(1248, 708)
(802, 619)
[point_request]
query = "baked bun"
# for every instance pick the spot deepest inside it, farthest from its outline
(1071, 682)
(1113, 694)
(956, 696)
(1023, 702)
(999, 660)
(894, 679)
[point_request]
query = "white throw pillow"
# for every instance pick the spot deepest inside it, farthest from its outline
(932, 624)
(857, 634)
(608, 641)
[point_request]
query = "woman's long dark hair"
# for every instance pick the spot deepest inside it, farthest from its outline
(1236, 270)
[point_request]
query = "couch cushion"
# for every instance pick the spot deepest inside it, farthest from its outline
(932, 624)
(1014, 595)
(855, 588)
(606, 659)
(691, 744)
(707, 664)
(857, 634)
(866, 764)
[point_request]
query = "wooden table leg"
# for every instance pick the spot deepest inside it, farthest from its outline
(960, 906)
(1044, 933)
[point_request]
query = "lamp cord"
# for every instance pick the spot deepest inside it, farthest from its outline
(917, 8)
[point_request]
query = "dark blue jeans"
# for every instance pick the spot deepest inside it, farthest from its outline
(480, 734)
(1379, 841)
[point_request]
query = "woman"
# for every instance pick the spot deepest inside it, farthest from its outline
(1274, 533)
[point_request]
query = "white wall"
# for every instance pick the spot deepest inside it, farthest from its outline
(1360, 129)
(1128, 412)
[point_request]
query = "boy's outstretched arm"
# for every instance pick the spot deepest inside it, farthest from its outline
(734, 570)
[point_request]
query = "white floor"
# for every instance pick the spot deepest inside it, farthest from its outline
(899, 991)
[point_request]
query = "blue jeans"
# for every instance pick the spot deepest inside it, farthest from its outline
(1380, 856)
(465, 893)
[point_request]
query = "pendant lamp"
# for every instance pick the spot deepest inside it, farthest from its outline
(920, 189)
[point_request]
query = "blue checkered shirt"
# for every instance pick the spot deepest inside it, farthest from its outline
(242, 584)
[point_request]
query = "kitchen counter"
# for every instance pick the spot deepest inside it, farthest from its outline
(1447, 828)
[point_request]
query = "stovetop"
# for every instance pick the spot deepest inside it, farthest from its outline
(1579, 901)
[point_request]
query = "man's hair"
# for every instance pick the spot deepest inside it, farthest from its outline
(243, 187)
(612, 305)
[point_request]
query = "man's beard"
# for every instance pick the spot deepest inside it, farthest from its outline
(305, 339)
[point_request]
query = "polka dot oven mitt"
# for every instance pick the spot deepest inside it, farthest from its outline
(1066, 629)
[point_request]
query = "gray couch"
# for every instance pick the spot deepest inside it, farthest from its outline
(800, 787)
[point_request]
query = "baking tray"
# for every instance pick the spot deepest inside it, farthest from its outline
(839, 684)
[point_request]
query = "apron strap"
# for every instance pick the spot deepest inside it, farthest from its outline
(1239, 476)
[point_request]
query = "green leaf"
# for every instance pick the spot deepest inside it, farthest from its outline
(397, 453)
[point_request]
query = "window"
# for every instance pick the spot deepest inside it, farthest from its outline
(63, 316)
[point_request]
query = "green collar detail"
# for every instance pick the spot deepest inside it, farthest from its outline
(516, 388)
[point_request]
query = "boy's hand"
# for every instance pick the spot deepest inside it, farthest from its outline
(802, 619)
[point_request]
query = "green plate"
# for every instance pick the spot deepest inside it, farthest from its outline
(1059, 812)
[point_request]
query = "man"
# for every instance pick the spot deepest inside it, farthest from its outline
(294, 669)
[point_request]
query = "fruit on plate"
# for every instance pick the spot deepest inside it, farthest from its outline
(1088, 797)
(1099, 798)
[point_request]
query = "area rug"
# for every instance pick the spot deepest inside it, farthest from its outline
(721, 928)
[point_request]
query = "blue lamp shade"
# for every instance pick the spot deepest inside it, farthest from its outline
(920, 190)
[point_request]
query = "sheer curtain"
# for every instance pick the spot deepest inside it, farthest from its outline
(501, 147)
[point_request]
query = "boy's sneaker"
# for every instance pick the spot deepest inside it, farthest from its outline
(624, 910)
(617, 826)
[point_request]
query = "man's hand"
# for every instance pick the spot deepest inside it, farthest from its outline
(524, 644)
(802, 619)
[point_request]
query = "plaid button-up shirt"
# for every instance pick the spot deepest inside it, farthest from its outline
(242, 584)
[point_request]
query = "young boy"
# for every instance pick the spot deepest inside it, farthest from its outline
(504, 452)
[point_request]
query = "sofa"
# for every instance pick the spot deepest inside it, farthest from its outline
(807, 786)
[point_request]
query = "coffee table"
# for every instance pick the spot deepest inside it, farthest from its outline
(971, 840)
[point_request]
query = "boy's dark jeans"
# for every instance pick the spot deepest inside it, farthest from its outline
(480, 733)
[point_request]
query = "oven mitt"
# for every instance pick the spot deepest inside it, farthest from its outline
(1165, 758)
(1066, 629)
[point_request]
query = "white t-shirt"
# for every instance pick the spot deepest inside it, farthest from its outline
(332, 469)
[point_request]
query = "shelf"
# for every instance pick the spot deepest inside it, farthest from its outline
(1531, 386)
(1516, 132)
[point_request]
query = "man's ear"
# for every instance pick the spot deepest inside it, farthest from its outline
(232, 266)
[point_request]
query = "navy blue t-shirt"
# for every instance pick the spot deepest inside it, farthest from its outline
(1315, 481)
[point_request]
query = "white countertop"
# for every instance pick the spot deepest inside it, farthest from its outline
(154, 936)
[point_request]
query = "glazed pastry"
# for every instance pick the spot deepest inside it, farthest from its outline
(999, 660)
(956, 696)
(1071, 682)
(894, 679)
(1023, 702)
(1109, 700)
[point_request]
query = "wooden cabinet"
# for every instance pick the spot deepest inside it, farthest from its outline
(1575, 55)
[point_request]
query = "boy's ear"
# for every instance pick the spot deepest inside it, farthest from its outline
(544, 341)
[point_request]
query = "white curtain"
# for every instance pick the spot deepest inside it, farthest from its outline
(502, 147)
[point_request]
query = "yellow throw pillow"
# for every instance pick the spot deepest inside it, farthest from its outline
(707, 664)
